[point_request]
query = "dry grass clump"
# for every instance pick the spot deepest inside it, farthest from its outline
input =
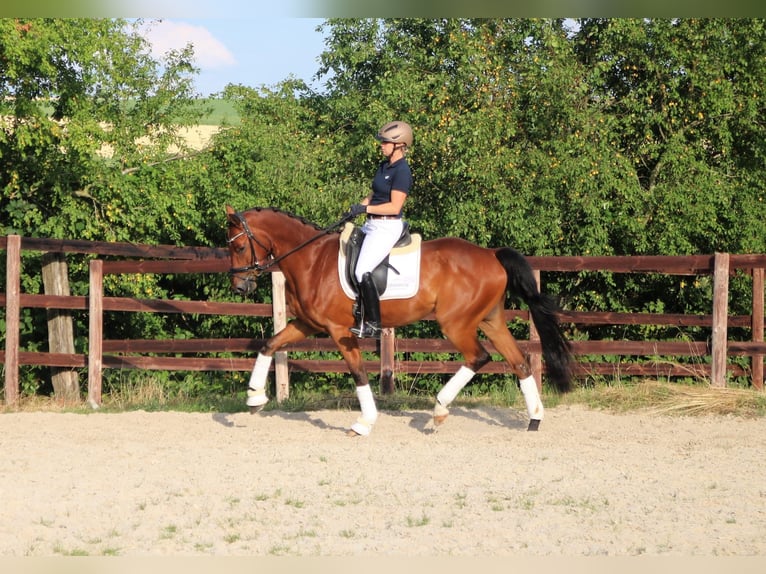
(677, 399)
(138, 391)
(37, 403)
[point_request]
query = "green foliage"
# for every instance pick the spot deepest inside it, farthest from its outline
(85, 109)
(686, 111)
(587, 137)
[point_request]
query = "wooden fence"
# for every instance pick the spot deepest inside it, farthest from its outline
(712, 354)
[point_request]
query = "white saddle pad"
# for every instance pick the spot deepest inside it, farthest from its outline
(403, 276)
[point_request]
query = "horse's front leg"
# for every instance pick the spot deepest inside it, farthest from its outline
(296, 330)
(349, 348)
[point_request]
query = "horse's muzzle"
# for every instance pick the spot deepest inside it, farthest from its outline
(243, 285)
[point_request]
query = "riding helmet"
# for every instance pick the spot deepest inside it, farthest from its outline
(396, 132)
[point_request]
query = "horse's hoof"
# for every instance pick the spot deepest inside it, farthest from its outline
(440, 413)
(254, 410)
(439, 419)
(352, 433)
(362, 427)
(256, 399)
(534, 424)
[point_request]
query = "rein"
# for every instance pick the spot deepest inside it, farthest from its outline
(261, 267)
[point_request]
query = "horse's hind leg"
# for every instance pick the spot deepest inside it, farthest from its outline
(465, 340)
(497, 331)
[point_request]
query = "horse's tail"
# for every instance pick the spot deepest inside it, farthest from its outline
(543, 309)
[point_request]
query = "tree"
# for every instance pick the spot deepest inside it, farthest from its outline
(85, 115)
(501, 117)
(587, 137)
(85, 107)
(600, 136)
(276, 156)
(685, 105)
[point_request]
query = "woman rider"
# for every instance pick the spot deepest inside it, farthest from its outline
(383, 227)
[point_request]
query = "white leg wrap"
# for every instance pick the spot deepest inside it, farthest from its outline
(260, 371)
(454, 386)
(363, 424)
(256, 388)
(532, 398)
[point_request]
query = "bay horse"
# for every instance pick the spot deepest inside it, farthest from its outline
(464, 285)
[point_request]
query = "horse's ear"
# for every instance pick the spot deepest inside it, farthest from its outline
(229, 209)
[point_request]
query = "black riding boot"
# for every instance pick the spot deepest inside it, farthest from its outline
(369, 325)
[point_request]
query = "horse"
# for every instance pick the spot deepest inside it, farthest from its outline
(463, 284)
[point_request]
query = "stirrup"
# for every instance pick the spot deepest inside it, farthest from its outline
(366, 331)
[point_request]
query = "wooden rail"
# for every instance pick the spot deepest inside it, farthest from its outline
(127, 354)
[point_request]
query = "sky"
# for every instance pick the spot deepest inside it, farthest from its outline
(250, 51)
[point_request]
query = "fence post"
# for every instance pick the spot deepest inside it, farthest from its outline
(66, 386)
(95, 331)
(387, 338)
(12, 319)
(720, 313)
(756, 360)
(279, 314)
(536, 358)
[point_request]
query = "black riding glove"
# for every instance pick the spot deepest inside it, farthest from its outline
(357, 209)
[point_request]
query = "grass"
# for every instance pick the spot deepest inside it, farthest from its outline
(413, 522)
(653, 396)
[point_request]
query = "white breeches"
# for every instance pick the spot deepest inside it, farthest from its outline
(380, 237)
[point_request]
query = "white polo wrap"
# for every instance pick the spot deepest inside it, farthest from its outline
(532, 398)
(454, 386)
(363, 424)
(260, 372)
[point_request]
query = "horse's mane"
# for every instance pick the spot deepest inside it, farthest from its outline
(288, 214)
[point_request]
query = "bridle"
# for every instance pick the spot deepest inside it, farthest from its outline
(271, 260)
(252, 239)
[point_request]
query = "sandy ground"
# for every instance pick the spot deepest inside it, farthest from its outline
(294, 485)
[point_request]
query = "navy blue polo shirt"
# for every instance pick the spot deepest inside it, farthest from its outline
(390, 176)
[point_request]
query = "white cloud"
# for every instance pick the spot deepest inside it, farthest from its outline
(209, 52)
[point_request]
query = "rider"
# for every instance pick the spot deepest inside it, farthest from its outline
(383, 227)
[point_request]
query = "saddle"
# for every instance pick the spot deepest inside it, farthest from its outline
(397, 276)
(380, 273)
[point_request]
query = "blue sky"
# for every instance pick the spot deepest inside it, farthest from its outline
(250, 51)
